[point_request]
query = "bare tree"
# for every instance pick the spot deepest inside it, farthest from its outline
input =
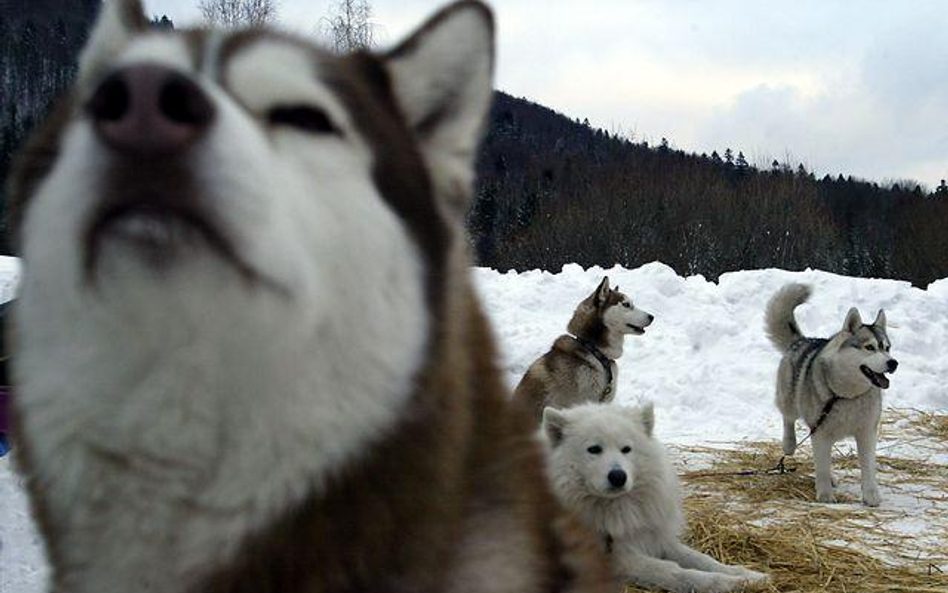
(349, 26)
(238, 13)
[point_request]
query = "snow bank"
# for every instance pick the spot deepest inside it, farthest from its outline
(705, 361)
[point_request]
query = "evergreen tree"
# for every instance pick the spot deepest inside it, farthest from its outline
(163, 23)
(741, 163)
(942, 190)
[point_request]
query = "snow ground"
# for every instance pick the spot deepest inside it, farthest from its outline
(705, 361)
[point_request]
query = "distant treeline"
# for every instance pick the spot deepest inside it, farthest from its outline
(551, 191)
(39, 47)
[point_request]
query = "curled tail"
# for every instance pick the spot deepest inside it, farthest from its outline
(780, 324)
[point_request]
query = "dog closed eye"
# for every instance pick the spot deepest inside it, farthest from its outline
(303, 117)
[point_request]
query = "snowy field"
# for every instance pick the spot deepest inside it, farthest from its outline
(705, 361)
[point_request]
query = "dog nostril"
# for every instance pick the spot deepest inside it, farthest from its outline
(182, 102)
(892, 365)
(617, 478)
(111, 101)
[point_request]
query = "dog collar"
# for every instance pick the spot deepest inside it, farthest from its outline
(604, 360)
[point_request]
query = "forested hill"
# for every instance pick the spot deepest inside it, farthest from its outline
(552, 190)
(39, 46)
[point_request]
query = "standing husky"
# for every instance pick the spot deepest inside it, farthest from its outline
(606, 466)
(247, 351)
(835, 385)
(582, 367)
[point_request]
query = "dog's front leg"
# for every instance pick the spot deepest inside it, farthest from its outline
(822, 459)
(789, 435)
(655, 573)
(866, 449)
(691, 558)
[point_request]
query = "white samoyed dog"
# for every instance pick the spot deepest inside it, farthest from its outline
(606, 466)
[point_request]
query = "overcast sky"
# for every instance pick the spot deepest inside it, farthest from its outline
(857, 87)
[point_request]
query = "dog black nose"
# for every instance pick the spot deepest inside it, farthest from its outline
(891, 365)
(617, 478)
(149, 109)
(651, 318)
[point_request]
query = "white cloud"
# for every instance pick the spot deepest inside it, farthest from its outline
(856, 87)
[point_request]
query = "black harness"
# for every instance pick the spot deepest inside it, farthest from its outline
(827, 408)
(604, 360)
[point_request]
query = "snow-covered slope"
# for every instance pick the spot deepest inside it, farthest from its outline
(704, 362)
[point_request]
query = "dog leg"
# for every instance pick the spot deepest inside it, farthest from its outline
(789, 435)
(866, 449)
(654, 573)
(691, 558)
(822, 459)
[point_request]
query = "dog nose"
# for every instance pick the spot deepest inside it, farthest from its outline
(149, 109)
(651, 318)
(617, 478)
(892, 365)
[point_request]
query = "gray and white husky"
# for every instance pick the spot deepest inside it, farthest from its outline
(607, 467)
(247, 352)
(834, 384)
(581, 366)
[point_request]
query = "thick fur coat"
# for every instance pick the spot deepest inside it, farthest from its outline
(833, 384)
(607, 467)
(248, 357)
(581, 366)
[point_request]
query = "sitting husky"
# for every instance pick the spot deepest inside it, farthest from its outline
(835, 385)
(606, 466)
(582, 367)
(247, 351)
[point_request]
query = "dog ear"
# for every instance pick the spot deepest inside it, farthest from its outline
(646, 415)
(554, 423)
(117, 23)
(880, 319)
(853, 321)
(602, 291)
(442, 80)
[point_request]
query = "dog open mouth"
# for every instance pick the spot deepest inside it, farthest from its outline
(636, 330)
(877, 379)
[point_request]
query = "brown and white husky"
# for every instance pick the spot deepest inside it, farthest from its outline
(247, 352)
(581, 366)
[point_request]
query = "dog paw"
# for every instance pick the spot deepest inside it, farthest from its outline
(718, 583)
(752, 577)
(870, 497)
(826, 497)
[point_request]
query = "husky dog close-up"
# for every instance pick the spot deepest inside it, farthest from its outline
(606, 466)
(247, 352)
(834, 384)
(581, 366)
